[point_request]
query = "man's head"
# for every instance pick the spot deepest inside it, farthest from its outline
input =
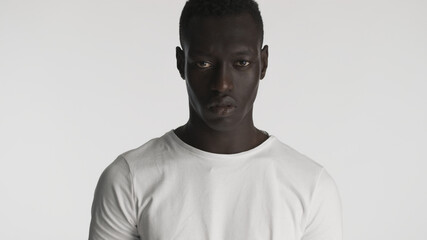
(222, 61)
(204, 8)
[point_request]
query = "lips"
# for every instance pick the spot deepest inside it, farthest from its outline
(222, 105)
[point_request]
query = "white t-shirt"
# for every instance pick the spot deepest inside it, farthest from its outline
(169, 190)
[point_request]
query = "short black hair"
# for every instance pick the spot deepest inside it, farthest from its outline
(205, 8)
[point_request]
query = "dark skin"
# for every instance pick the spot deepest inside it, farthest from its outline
(222, 62)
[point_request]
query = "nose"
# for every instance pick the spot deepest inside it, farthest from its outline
(222, 81)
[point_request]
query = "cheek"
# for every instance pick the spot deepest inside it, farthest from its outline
(197, 92)
(191, 91)
(251, 95)
(198, 82)
(246, 86)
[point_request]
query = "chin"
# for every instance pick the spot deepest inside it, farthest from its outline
(223, 124)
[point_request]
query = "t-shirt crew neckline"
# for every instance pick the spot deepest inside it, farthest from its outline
(221, 158)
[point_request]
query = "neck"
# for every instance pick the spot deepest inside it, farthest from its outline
(243, 137)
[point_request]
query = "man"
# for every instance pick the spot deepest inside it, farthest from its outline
(217, 177)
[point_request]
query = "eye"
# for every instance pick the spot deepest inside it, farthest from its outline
(242, 63)
(203, 64)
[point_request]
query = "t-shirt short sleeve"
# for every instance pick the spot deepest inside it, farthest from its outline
(325, 214)
(113, 207)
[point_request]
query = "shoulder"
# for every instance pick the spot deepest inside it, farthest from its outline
(115, 176)
(146, 155)
(301, 172)
(119, 175)
(316, 189)
(294, 164)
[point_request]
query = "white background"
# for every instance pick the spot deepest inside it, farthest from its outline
(83, 81)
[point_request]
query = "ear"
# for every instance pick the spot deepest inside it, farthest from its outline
(180, 62)
(264, 61)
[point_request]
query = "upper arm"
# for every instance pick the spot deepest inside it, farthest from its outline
(325, 214)
(113, 207)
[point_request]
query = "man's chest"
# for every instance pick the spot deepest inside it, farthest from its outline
(216, 205)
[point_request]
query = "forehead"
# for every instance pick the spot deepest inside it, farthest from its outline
(224, 32)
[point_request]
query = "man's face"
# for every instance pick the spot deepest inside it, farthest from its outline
(222, 63)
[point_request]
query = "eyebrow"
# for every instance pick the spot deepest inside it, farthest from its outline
(199, 53)
(239, 52)
(244, 52)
